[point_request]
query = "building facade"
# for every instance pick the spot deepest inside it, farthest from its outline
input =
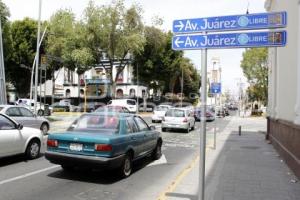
(284, 87)
(94, 82)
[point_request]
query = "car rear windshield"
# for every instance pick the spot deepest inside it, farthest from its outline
(175, 113)
(96, 123)
(161, 108)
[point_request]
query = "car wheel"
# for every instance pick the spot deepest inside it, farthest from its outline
(126, 167)
(156, 154)
(193, 127)
(40, 112)
(187, 130)
(67, 168)
(44, 128)
(33, 149)
(163, 129)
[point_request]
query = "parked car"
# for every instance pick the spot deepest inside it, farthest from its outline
(25, 117)
(178, 118)
(109, 108)
(90, 107)
(63, 106)
(104, 141)
(42, 109)
(16, 139)
(130, 104)
(210, 116)
(159, 113)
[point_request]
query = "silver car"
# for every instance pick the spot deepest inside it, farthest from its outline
(178, 118)
(25, 117)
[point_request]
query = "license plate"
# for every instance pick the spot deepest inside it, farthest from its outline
(76, 147)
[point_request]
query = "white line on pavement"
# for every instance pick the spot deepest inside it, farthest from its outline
(27, 174)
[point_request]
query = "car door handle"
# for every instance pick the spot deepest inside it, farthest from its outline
(133, 138)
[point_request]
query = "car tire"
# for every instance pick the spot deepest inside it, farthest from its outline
(33, 149)
(44, 128)
(193, 127)
(40, 112)
(163, 129)
(187, 130)
(126, 167)
(157, 153)
(67, 168)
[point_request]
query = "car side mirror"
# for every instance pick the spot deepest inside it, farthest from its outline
(152, 128)
(19, 126)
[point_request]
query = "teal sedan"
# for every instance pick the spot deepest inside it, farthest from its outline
(104, 141)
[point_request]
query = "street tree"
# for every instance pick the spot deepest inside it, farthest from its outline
(116, 31)
(255, 68)
(24, 47)
(7, 40)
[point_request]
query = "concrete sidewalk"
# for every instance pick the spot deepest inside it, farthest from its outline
(242, 167)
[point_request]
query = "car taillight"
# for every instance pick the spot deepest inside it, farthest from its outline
(103, 147)
(185, 120)
(52, 143)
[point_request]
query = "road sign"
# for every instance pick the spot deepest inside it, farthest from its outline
(230, 23)
(230, 40)
(215, 88)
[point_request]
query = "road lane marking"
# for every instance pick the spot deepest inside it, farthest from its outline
(27, 175)
(178, 179)
(160, 161)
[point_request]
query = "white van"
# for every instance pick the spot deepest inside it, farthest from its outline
(130, 104)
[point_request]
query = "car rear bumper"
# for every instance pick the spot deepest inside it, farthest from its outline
(174, 126)
(84, 161)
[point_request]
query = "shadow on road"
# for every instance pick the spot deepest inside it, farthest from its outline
(15, 159)
(96, 176)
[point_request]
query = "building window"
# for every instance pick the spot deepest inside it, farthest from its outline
(120, 93)
(132, 92)
(81, 92)
(68, 93)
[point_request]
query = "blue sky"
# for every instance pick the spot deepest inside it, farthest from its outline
(169, 10)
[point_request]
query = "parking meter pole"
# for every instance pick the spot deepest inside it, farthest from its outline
(215, 127)
(202, 148)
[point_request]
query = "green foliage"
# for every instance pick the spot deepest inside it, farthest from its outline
(121, 32)
(255, 68)
(160, 67)
(24, 47)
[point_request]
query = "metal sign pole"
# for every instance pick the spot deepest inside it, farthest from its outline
(203, 124)
(215, 127)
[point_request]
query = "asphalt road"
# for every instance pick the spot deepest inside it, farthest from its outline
(40, 180)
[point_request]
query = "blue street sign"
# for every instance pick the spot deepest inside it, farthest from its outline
(215, 88)
(230, 40)
(230, 23)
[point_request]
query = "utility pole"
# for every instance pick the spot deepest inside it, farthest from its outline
(3, 99)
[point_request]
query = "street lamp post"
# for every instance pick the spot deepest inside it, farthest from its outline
(3, 99)
(181, 85)
(37, 56)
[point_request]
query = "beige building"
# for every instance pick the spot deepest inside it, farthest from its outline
(284, 87)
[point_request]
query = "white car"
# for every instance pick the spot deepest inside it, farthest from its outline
(16, 139)
(130, 104)
(178, 118)
(39, 106)
(25, 117)
(159, 113)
